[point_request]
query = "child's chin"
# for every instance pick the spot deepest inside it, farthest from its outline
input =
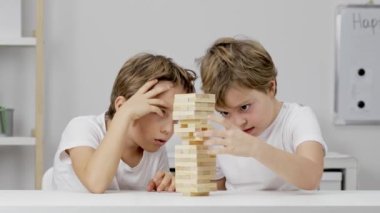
(151, 148)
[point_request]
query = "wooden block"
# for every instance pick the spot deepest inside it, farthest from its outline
(191, 151)
(201, 126)
(203, 154)
(185, 134)
(193, 164)
(195, 177)
(198, 125)
(193, 122)
(190, 115)
(196, 193)
(191, 129)
(188, 129)
(195, 168)
(179, 159)
(194, 104)
(190, 136)
(181, 177)
(201, 187)
(185, 108)
(186, 113)
(190, 147)
(188, 141)
(194, 97)
(189, 179)
(210, 172)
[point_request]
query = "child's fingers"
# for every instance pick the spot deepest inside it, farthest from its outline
(158, 177)
(147, 86)
(165, 182)
(212, 133)
(172, 186)
(156, 110)
(158, 89)
(158, 102)
(216, 141)
(217, 150)
(221, 121)
(151, 186)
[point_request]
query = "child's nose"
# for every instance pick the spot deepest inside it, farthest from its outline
(239, 121)
(167, 127)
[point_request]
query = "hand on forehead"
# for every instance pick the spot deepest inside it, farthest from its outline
(163, 84)
(164, 92)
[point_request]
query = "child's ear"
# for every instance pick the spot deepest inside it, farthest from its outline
(273, 87)
(119, 101)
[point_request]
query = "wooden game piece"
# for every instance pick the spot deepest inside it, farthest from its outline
(195, 168)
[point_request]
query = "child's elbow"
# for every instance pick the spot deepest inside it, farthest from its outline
(96, 190)
(93, 186)
(310, 186)
(312, 183)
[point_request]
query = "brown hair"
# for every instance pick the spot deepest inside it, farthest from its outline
(144, 67)
(230, 61)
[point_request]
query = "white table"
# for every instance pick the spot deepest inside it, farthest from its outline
(220, 202)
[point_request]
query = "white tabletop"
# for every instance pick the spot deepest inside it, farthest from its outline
(221, 201)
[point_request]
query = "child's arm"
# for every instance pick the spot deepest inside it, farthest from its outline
(303, 169)
(96, 168)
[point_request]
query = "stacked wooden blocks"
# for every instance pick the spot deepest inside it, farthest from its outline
(194, 167)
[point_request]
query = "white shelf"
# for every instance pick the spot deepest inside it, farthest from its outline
(347, 164)
(22, 41)
(17, 141)
(337, 160)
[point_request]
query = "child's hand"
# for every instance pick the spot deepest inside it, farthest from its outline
(143, 101)
(162, 181)
(232, 140)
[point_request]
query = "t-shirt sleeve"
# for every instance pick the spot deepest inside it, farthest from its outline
(219, 172)
(163, 164)
(79, 132)
(306, 128)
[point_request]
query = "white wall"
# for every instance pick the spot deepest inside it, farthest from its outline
(87, 41)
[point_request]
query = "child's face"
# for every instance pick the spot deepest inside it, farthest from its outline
(152, 131)
(251, 110)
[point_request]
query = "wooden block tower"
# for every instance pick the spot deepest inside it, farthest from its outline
(194, 167)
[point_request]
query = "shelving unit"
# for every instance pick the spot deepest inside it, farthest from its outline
(17, 141)
(37, 138)
(23, 41)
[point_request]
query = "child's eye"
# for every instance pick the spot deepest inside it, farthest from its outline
(245, 108)
(224, 114)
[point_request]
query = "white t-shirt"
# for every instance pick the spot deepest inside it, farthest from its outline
(293, 125)
(89, 131)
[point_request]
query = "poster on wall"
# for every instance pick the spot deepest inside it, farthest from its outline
(10, 18)
(357, 69)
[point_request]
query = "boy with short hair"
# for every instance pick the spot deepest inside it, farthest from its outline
(123, 148)
(271, 145)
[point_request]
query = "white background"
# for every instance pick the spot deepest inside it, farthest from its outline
(87, 41)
